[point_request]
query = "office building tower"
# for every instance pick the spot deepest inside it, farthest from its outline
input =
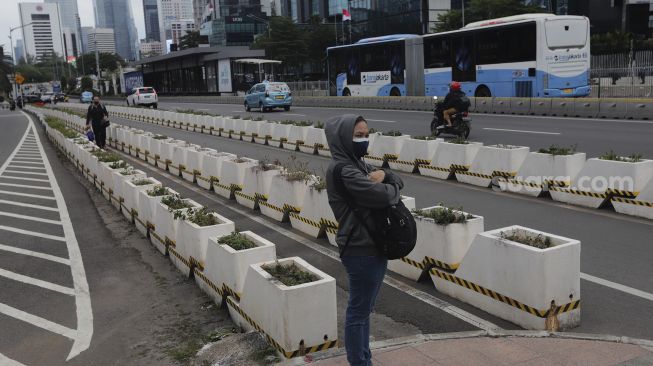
(70, 19)
(44, 37)
(117, 15)
(151, 15)
(102, 39)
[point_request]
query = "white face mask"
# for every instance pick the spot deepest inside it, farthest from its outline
(361, 139)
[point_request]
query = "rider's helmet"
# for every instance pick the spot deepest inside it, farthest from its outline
(454, 86)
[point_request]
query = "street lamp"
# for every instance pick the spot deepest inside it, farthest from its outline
(252, 16)
(13, 64)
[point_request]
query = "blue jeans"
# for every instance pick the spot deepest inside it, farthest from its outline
(365, 280)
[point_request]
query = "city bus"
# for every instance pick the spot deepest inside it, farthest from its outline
(530, 55)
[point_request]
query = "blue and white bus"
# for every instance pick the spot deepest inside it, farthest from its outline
(530, 55)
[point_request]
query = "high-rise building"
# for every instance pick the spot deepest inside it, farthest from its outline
(117, 15)
(19, 50)
(151, 15)
(70, 19)
(236, 22)
(44, 36)
(171, 11)
(180, 28)
(150, 48)
(71, 44)
(102, 39)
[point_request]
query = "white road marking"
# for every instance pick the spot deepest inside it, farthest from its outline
(23, 178)
(25, 186)
(27, 195)
(26, 162)
(293, 114)
(379, 120)
(24, 158)
(29, 205)
(36, 282)
(31, 253)
(84, 333)
(31, 218)
(6, 361)
(37, 321)
(32, 233)
(21, 172)
(203, 109)
(11, 165)
(618, 287)
(522, 131)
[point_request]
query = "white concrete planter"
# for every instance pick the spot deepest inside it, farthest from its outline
(279, 134)
(285, 196)
(144, 141)
(533, 277)
(192, 241)
(226, 266)
(218, 123)
(441, 245)
(106, 177)
(414, 152)
(539, 171)
(165, 225)
(232, 176)
(119, 184)
(641, 206)
(448, 158)
(256, 186)
(314, 137)
(131, 193)
(296, 137)
(194, 163)
(146, 207)
(154, 158)
(384, 148)
(492, 161)
(212, 167)
(264, 133)
(251, 130)
(228, 127)
(282, 311)
(167, 148)
(134, 142)
(315, 209)
(600, 180)
(180, 158)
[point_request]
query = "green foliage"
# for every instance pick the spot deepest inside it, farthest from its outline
(201, 216)
(559, 150)
(392, 133)
(611, 155)
(128, 171)
(108, 61)
(445, 215)
(289, 274)
(426, 138)
(189, 40)
(478, 10)
(319, 124)
(174, 202)
(158, 191)
(504, 146)
(296, 170)
(87, 83)
(60, 125)
(459, 140)
(106, 156)
(538, 241)
(192, 111)
(159, 137)
(118, 165)
(142, 182)
(319, 184)
(617, 42)
(237, 241)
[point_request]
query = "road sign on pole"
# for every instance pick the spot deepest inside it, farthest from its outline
(19, 79)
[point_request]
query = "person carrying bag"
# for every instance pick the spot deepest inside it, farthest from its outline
(97, 118)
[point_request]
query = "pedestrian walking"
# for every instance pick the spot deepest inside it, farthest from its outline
(97, 118)
(354, 189)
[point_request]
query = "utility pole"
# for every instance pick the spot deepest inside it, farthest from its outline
(624, 11)
(97, 63)
(463, 2)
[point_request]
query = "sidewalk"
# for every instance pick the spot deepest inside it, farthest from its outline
(522, 348)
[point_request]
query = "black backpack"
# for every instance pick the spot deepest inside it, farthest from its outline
(392, 229)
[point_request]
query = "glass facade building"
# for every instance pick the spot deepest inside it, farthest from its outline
(117, 15)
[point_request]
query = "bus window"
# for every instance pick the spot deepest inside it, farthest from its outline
(353, 66)
(437, 52)
(397, 62)
(521, 43)
(464, 60)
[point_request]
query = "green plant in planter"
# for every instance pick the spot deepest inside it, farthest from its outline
(459, 140)
(247, 118)
(237, 241)
(558, 150)
(394, 133)
(175, 202)
(128, 171)
(538, 241)
(235, 117)
(142, 182)
(265, 165)
(158, 191)
(159, 137)
(319, 184)
(118, 165)
(295, 170)
(426, 138)
(505, 146)
(106, 156)
(320, 125)
(258, 119)
(445, 215)
(303, 123)
(289, 274)
(373, 130)
(611, 155)
(200, 216)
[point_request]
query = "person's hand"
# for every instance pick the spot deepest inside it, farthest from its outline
(377, 176)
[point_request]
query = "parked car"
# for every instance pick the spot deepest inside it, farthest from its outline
(30, 98)
(86, 97)
(269, 95)
(145, 96)
(47, 97)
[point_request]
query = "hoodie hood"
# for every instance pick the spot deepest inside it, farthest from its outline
(339, 133)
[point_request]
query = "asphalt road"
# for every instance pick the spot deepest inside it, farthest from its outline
(616, 250)
(592, 136)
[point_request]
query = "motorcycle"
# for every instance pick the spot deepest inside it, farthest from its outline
(12, 105)
(461, 124)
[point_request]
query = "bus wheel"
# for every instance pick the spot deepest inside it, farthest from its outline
(482, 92)
(346, 93)
(395, 92)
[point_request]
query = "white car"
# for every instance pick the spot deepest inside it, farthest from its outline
(47, 97)
(145, 96)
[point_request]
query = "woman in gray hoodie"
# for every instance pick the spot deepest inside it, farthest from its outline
(366, 188)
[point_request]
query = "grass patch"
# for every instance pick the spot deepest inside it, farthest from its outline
(186, 350)
(537, 241)
(611, 155)
(558, 150)
(158, 191)
(445, 215)
(289, 274)
(237, 241)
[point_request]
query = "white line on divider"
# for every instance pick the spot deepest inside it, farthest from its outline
(522, 131)
(293, 114)
(31, 218)
(27, 195)
(617, 286)
(29, 205)
(23, 178)
(26, 162)
(32, 233)
(25, 158)
(36, 282)
(6, 361)
(21, 172)
(37, 321)
(25, 186)
(24, 167)
(409, 290)
(379, 120)
(31, 253)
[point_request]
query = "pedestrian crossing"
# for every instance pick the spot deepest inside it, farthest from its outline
(39, 254)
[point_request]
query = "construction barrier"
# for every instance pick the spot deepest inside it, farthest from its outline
(639, 109)
(520, 106)
(586, 107)
(613, 108)
(562, 107)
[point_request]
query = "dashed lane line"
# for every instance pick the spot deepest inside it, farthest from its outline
(617, 286)
(522, 131)
(29, 205)
(32, 233)
(27, 195)
(30, 218)
(31, 253)
(25, 186)
(36, 282)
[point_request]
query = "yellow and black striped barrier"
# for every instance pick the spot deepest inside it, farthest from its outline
(632, 202)
(578, 192)
(306, 221)
(440, 264)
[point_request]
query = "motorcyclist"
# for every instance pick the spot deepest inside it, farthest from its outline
(452, 102)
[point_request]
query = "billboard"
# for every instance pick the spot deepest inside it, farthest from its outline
(224, 76)
(133, 79)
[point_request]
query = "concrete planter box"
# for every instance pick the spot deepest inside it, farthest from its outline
(232, 176)
(414, 152)
(226, 266)
(315, 209)
(264, 133)
(167, 148)
(282, 311)
(134, 142)
(384, 149)
(146, 207)
(212, 167)
(448, 158)
(228, 127)
(180, 158)
(144, 142)
(314, 137)
(279, 134)
(154, 158)
(600, 180)
(165, 225)
(251, 130)
(539, 171)
(296, 137)
(131, 193)
(194, 163)
(106, 177)
(192, 241)
(285, 197)
(641, 206)
(218, 123)
(256, 186)
(441, 245)
(492, 161)
(531, 276)
(119, 185)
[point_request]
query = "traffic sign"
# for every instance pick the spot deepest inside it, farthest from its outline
(20, 79)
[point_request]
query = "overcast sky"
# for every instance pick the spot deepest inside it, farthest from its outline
(9, 18)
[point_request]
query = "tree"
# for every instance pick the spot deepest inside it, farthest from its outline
(64, 83)
(189, 40)
(284, 42)
(5, 74)
(482, 10)
(108, 61)
(318, 38)
(87, 83)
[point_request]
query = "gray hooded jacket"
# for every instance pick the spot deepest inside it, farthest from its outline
(366, 194)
